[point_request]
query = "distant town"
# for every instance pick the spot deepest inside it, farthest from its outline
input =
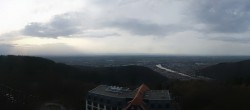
(173, 67)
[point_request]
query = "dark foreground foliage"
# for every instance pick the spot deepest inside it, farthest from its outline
(211, 95)
(51, 82)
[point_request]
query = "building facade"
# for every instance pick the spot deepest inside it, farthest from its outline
(106, 97)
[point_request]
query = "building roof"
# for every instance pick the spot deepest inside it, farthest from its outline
(121, 92)
(112, 91)
(157, 95)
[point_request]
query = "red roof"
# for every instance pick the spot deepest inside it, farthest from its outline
(138, 98)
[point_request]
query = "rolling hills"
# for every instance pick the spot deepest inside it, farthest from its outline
(68, 84)
(236, 71)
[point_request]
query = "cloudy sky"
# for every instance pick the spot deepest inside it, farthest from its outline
(103, 27)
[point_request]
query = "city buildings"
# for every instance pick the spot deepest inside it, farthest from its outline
(106, 97)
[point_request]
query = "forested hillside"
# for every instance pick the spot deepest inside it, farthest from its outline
(239, 72)
(55, 81)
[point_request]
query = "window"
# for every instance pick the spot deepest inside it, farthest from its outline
(108, 101)
(101, 106)
(95, 98)
(95, 104)
(119, 103)
(89, 102)
(89, 108)
(108, 108)
(152, 105)
(101, 99)
(89, 97)
(159, 106)
(166, 105)
(114, 108)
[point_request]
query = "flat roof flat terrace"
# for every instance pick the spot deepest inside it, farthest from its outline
(122, 92)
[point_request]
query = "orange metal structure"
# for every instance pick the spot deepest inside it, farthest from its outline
(137, 102)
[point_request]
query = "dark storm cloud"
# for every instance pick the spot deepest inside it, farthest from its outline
(60, 25)
(141, 27)
(223, 16)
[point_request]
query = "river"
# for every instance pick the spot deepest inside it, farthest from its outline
(172, 71)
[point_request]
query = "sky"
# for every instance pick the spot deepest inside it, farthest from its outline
(125, 27)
